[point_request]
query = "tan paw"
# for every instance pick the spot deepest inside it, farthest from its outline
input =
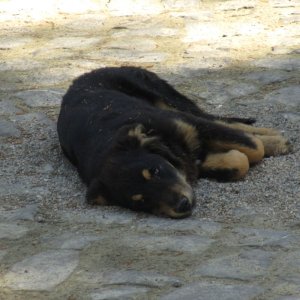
(275, 145)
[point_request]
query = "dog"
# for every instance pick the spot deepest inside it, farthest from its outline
(140, 144)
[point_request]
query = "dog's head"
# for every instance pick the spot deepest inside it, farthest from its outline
(141, 173)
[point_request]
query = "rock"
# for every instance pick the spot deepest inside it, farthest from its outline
(267, 77)
(69, 240)
(132, 44)
(128, 55)
(42, 271)
(131, 7)
(12, 231)
(261, 237)
(8, 129)
(45, 98)
(196, 32)
(25, 213)
(2, 254)
(288, 64)
(214, 291)
(8, 108)
(289, 267)
(98, 216)
(31, 120)
(288, 96)
(244, 266)
(184, 243)
(191, 225)
(115, 293)
(131, 278)
(71, 42)
(14, 42)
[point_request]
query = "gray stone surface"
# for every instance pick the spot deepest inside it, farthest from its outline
(7, 107)
(2, 254)
(244, 265)
(42, 271)
(118, 293)
(197, 226)
(97, 216)
(234, 58)
(263, 237)
(288, 64)
(183, 243)
(131, 278)
(70, 241)
(36, 98)
(267, 77)
(12, 231)
(8, 129)
(24, 213)
(288, 96)
(214, 291)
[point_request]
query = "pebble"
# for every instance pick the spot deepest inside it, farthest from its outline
(42, 271)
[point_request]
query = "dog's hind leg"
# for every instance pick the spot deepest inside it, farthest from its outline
(214, 137)
(274, 143)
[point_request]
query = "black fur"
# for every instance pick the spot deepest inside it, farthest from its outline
(115, 123)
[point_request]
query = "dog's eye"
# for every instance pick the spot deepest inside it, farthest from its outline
(154, 171)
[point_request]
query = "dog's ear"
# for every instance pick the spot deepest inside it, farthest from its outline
(97, 193)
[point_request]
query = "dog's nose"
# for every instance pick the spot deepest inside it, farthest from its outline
(184, 205)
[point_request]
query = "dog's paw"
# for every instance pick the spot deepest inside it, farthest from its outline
(275, 145)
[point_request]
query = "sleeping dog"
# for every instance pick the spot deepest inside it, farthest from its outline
(138, 143)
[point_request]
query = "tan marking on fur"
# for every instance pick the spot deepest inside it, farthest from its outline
(189, 133)
(275, 145)
(250, 129)
(254, 155)
(137, 197)
(138, 132)
(182, 187)
(232, 159)
(146, 174)
(163, 105)
(100, 201)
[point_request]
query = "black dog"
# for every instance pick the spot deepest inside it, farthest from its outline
(139, 143)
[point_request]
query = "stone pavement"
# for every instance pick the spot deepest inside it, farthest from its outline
(232, 57)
